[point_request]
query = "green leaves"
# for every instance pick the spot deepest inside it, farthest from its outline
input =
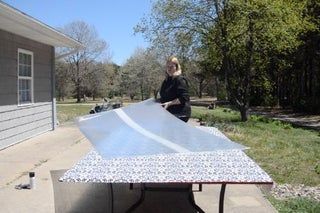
(248, 44)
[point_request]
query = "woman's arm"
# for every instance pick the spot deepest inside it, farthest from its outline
(171, 103)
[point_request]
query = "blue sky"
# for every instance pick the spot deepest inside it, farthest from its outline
(113, 19)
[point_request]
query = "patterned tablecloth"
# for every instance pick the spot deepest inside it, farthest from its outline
(221, 166)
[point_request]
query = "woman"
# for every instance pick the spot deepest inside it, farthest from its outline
(174, 91)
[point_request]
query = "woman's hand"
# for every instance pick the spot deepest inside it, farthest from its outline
(170, 103)
(166, 104)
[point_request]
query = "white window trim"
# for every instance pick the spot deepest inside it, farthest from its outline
(25, 77)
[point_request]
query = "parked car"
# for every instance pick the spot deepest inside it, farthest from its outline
(107, 105)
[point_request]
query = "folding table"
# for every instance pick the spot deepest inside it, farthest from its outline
(143, 143)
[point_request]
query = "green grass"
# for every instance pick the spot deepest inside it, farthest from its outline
(74, 101)
(288, 154)
(301, 205)
(68, 112)
(96, 101)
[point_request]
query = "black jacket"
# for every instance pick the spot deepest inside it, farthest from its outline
(176, 87)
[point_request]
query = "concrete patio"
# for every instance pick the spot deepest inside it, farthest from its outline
(61, 149)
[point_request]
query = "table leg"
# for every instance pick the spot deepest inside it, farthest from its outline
(221, 200)
(111, 195)
(135, 205)
(144, 188)
(193, 203)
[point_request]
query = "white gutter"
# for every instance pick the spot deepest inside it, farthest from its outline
(66, 54)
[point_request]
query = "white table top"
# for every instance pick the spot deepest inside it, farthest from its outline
(221, 166)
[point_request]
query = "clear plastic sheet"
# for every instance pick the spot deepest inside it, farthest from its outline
(146, 128)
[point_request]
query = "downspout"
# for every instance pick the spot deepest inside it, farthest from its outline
(53, 97)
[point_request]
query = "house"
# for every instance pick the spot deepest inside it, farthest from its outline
(27, 59)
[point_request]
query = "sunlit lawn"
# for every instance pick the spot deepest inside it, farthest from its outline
(69, 109)
(289, 155)
(68, 112)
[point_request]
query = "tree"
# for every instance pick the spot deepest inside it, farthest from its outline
(302, 89)
(239, 37)
(199, 76)
(63, 83)
(256, 30)
(81, 60)
(94, 84)
(113, 80)
(177, 28)
(142, 74)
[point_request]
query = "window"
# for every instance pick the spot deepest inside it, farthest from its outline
(25, 77)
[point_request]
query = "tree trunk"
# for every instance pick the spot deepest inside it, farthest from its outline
(58, 95)
(221, 17)
(278, 91)
(78, 84)
(141, 91)
(200, 88)
(155, 93)
(217, 87)
(244, 114)
(131, 97)
(78, 92)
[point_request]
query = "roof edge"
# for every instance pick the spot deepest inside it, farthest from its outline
(59, 36)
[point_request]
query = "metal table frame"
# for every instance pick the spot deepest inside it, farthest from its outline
(159, 189)
(125, 165)
(191, 197)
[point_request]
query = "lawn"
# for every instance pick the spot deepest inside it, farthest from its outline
(289, 155)
(68, 112)
(300, 205)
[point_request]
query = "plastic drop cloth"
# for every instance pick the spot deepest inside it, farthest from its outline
(146, 128)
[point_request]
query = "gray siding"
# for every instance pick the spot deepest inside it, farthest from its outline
(18, 123)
